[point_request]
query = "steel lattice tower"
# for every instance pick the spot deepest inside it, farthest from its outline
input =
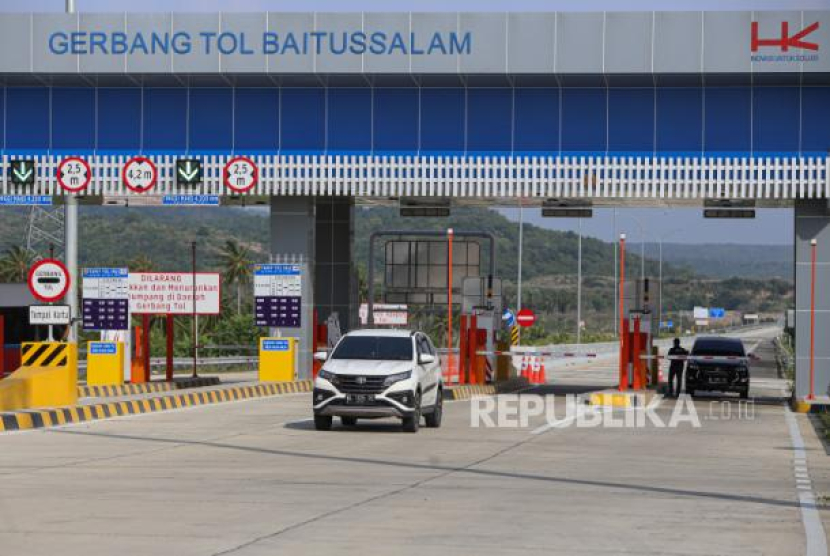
(45, 231)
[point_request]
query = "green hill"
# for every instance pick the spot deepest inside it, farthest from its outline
(162, 237)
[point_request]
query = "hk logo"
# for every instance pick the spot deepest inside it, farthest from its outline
(785, 41)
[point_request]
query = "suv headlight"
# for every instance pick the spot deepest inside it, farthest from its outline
(397, 377)
(328, 375)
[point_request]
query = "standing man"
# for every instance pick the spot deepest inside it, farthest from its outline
(676, 368)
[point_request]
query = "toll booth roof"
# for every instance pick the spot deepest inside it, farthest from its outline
(16, 295)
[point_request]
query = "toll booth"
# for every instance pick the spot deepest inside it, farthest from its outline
(14, 325)
(637, 341)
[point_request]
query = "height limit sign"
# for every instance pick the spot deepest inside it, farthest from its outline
(139, 174)
(240, 174)
(74, 174)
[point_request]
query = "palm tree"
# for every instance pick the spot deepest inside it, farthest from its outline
(236, 267)
(15, 264)
(141, 263)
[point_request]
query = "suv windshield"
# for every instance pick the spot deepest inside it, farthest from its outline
(718, 347)
(375, 348)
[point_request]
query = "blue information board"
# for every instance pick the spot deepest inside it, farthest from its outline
(275, 345)
(102, 348)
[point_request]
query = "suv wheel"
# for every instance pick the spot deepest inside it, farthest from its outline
(745, 393)
(348, 421)
(322, 422)
(413, 422)
(433, 420)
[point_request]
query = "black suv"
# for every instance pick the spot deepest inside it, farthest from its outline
(718, 364)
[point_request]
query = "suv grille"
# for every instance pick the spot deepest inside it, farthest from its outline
(360, 384)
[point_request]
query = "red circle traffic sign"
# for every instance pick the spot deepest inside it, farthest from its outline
(48, 280)
(139, 174)
(74, 174)
(240, 174)
(526, 317)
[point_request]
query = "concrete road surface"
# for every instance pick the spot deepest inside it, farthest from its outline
(254, 478)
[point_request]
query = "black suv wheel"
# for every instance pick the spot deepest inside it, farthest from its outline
(322, 422)
(433, 419)
(413, 422)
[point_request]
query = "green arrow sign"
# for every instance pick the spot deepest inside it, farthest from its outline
(22, 172)
(188, 171)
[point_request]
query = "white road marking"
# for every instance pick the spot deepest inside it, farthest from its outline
(813, 528)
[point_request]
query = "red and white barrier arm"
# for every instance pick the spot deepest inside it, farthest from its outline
(713, 358)
(537, 353)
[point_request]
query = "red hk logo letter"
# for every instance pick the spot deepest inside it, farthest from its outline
(785, 41)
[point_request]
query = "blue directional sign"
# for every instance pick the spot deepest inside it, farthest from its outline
(717, 313)
(508, 317)
(191, 200)
(25, 200)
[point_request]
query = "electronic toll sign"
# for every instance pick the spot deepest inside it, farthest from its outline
(277, 295)
(106, 303)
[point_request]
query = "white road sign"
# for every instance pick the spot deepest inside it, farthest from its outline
(48, 280)
(49, 314)
(386, 314)
(139, 174)
(240, 174)
(74, 174)
(171, 293)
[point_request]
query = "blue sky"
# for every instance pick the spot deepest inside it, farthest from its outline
(675, 225)
(410, 5)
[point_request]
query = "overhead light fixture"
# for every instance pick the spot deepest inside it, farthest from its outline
(438, 207)
(567, 208)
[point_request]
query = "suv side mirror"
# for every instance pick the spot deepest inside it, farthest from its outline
(321, 356)
(426, 359)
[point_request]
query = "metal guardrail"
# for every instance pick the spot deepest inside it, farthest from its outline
(201, 362)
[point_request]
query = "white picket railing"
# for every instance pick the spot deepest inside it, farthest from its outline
(659, 177)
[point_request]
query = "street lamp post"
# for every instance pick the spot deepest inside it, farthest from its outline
(660, 275)
(642, 244)
(579, 288)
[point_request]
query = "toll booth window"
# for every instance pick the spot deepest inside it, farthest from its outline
(416, 271)
(18, 329)
(374, 348)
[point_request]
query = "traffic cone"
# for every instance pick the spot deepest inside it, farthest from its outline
(534, 377)
(543, 379)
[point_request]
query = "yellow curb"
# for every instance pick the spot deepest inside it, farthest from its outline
(26, 420)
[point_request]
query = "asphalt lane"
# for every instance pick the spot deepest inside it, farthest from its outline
(254, 478)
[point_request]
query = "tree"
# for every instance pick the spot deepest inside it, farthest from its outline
(15, 264)
(236, 268)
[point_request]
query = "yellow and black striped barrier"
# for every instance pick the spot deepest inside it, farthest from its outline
(467, 391)
(514, 335)
(146, 388)
(39, 418)
(45, 354)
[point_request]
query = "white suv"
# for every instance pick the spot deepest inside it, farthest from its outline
(379, 373)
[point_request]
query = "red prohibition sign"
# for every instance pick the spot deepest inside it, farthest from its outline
(240, 188)
(32, 285)
(65, 181)
(141, 182)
